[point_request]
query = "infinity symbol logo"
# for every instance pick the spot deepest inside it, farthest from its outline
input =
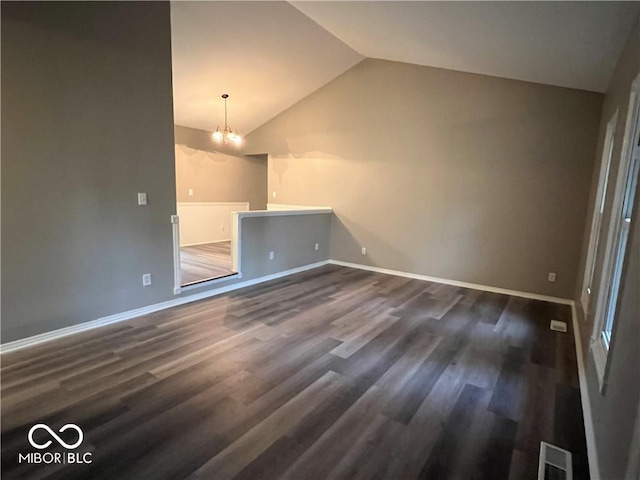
(53, 434)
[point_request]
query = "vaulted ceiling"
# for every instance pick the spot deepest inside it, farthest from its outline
(265, 55)
(270, 55)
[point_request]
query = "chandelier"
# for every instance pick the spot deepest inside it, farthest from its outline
(226, 135)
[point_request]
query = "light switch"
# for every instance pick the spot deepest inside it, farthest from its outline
(142, 199)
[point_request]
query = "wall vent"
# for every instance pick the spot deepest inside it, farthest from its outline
(555, 463)
(558, 326)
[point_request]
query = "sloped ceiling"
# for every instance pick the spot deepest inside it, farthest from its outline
(570, 44)
(269, 55)
(265, 55)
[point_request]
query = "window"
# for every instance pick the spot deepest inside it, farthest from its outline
(598, 211)
(619, 227)
(621, 242)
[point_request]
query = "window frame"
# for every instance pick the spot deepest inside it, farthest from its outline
(616, 251)
(598, 213)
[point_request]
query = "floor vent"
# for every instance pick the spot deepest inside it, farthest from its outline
(555, 463)
(558, 326)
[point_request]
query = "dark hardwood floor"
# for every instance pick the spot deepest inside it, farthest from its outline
(333, 373)
(204, 262)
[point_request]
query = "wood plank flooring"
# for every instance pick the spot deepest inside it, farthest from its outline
(332, 373)
(204, 262)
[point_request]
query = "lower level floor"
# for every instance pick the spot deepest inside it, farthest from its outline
(205, 262)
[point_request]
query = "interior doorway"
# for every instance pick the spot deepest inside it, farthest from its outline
(206, 261)
(205, 238)
(212, 182)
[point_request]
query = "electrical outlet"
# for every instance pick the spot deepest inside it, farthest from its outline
(274, 194)
(142, 199)
(364, 250)
(146, 279)
(316, 247)
(222, 228)
(552, 276)
(272, 255)
(191, 192)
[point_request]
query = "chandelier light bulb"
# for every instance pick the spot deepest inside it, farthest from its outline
(226, 135)
(237, 139)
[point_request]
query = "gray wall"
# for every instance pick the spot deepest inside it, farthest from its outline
(615, 411)
(291, 238)
(454, 175)
(87, 124)
(216, 175)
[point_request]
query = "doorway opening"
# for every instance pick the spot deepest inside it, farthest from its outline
(212, 183)
(205, 262)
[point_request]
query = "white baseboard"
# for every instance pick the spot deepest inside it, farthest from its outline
(455, 283)
(138, 312)
(584, 393)
(119, 317)
(592, 452)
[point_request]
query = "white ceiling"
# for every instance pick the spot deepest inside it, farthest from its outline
(570, 44)
(269, 55)
(265, 55)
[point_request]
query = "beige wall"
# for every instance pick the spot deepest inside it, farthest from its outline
(615, 411)
(215, 175)
(460, 176)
